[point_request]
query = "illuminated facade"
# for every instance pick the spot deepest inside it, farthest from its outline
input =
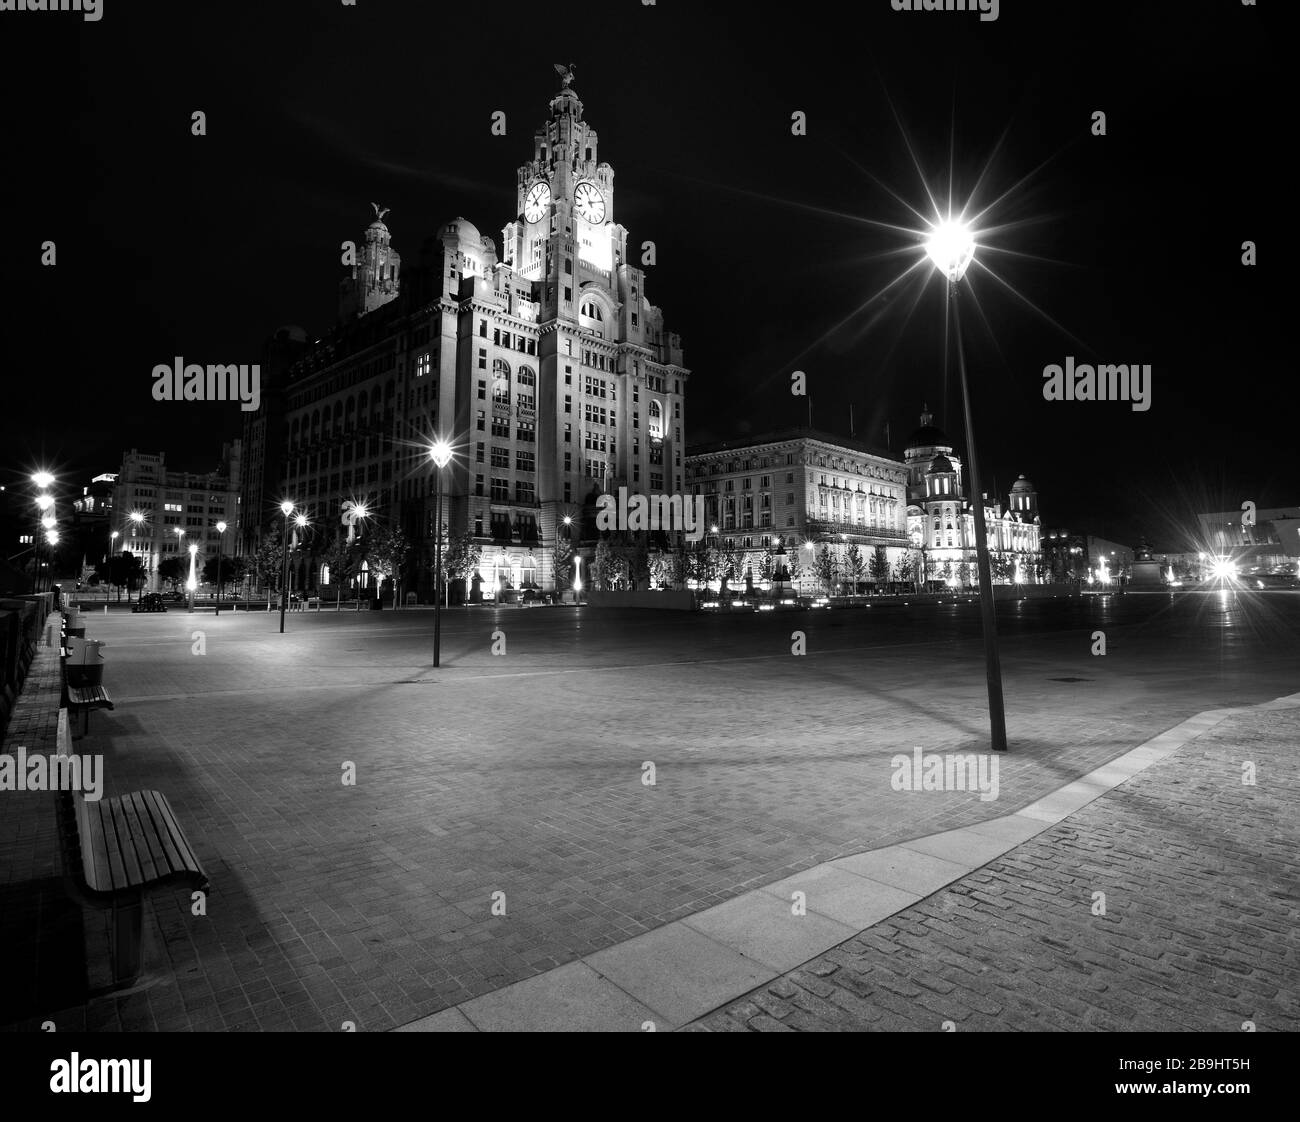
(545, 365)
(941, 521)
(170, 501)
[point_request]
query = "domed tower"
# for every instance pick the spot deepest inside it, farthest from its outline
(1024, 500)
(941, 479)
(922, 447)
(466, 253)
(373, 279)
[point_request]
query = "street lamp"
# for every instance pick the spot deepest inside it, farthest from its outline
(286, 508)
(191, 585)
(440, 454)
(221, 548)
(951, 246)
(113, 535)
(137, 519)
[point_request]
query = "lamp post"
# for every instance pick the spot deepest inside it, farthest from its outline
(951, 246)
(286, 508)
(440, 454)
(136, 519)
(221, 548)
(192, 584)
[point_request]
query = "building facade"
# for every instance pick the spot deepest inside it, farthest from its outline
(544, 365)
(941, 520)
(175, 509)
(802, 491)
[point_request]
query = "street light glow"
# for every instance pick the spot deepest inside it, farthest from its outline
(221, 527)
(300, 521)
(286, 508)
(951, 246)
(49, 522)
(44, 502)
(43, 479)
(440, 453)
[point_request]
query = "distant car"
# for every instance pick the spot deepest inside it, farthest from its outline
(171, 597)
(1272, 580)
(150, 602)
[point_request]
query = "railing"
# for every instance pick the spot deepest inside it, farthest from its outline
(877, 534)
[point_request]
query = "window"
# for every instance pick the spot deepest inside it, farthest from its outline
(526, 376)
(478, 452)
(525, 461)
(500, 457)
(501, 428)
(524, 491)
(568, 293)
(568, 403)
(568, 433)
(481, 421)
(526, 431)
(501, 489)
(421, 365)
(482, 358)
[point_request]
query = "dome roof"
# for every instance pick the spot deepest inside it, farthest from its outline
(463, 229)
(1021, 485)
(928, 436)
(940, 463)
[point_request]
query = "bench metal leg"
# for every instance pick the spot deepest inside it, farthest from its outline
(127, 924)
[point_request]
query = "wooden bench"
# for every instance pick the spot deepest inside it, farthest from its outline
(80, 698)
(117, 850)
(86, 698)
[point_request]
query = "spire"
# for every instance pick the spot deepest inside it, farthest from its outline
(927, 418)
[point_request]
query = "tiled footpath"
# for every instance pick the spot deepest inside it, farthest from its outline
(1157, 892)
(1169, 903)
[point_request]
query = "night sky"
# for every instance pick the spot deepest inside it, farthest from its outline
(174, 245)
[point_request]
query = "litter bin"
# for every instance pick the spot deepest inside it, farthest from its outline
(85, 664)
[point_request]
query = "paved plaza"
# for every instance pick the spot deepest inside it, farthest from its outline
(525, 774)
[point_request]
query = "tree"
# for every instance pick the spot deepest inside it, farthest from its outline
(729, 562)
(1001, 567)
(173, 570)
(386, 550)
(343, 558)
(854, 565)
(562, 557)
(907, 568)
(461, 557)
(89, 573)
(124, 568)
(267, 560)
(233, 570)
(767, 564)
(824, 567)
(879, 565)
(661, 565)
(602, 566)
(794, 562)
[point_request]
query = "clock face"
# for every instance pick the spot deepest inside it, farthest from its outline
(536, 202)
(589, 203)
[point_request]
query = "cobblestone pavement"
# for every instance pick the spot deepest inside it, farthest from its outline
(523, 774)
(1200, 931)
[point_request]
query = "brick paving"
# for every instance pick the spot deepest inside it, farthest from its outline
(1201, 930)
(373, 903)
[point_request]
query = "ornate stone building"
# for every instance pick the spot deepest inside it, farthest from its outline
(941, 521)
(545, 365)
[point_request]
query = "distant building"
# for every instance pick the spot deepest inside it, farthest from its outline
(807, 490)
(168, 501)
(941, 519)
(801, 490)
(1271, 542)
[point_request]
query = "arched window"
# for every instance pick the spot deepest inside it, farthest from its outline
(655, 425)
(526, 376)
(501, 381)
(591, 309)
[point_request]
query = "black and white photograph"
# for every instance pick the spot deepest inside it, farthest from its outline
(642, 517)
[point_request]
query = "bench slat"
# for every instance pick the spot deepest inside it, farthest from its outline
(162, 831)
(158, 864)
(126, 841)
(99, 860)
(188, 859)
